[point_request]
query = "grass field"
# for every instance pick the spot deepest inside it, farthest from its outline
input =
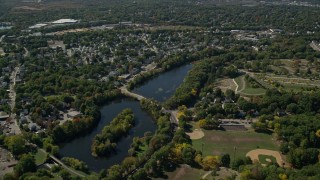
(40, 157)
(253, 91)
(263, 159)
(220, 142)
(240, 82)
(245, 89)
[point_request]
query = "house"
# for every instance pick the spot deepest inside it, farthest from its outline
(23, 119)
(134, 71)
(228, 100)
(281, 113)
(73, 114)
(3, 116)
(217, 100)
(125, 76)
(33, 127)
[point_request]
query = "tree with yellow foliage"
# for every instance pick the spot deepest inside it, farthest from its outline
(283, 176)
(176, 152)
(194, 92)
(318, 133)
(210, 162)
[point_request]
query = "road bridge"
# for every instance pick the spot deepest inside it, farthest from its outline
(55, 159)
(124, 90)
(173, 117)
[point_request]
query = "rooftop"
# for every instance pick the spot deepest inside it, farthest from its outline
(63, 21)
(36, 26)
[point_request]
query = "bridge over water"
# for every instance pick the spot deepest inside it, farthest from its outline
(55, 159)
(173, 117)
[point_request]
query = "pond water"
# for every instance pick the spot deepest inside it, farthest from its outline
(163, 86)
(159, 88)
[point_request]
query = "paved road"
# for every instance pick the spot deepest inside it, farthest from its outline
(315, 46)
(173, 118)
(2, 37)
(125, 91)
(12, 95)
(63, 165)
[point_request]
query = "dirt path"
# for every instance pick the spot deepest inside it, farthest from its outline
(254, 155)
(204, 176)
(181, 172)
(237, 86)
(244, 84)
(237, 91)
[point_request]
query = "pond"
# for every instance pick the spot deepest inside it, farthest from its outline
(163, 86)
(159, 88)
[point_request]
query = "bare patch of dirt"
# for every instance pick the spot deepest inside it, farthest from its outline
(226, 84)
(255, 153)
(196, 134)
(225, 173)
(181, 172)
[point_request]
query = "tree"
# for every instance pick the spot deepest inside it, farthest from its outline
(129, 163)
(293, 108)
(318, 133)
(15, 144)
(114, 172)
(9, 176)
(65, 174)
(188, 155)
(225, 160)
(25, 164)
(202, 123)
(140, 175)
(210, 162)
(54, 150)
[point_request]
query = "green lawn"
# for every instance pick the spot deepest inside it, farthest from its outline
(40, 157)
(262, 159)
(239, 82)
(244, 88)
(253, 91)
(295, 87)
(220, 142)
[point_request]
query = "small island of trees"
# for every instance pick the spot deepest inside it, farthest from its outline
(105, 142)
